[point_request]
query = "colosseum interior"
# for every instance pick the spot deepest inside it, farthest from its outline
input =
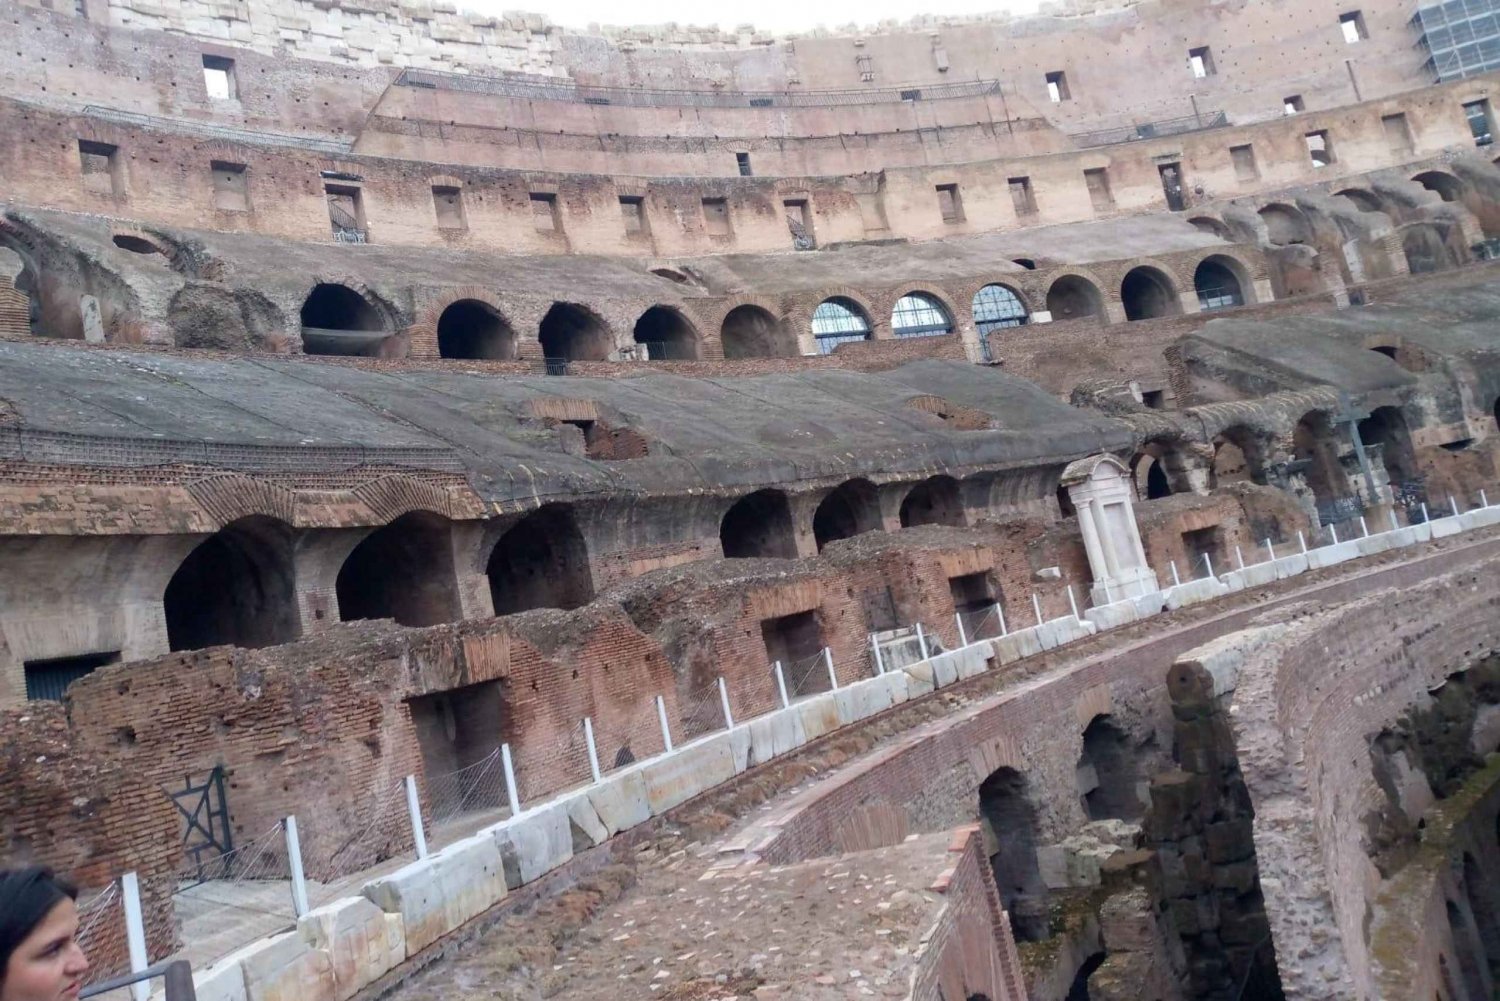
(970, 510)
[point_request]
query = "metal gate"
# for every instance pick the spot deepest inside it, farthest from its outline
(1409, 496)
(206, 838)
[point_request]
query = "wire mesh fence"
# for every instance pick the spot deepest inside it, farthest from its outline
(101, 924)
(806, 675)
(700, 711)
(982, 623)
(245, 895)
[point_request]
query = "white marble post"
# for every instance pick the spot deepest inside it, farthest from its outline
(1117, 560)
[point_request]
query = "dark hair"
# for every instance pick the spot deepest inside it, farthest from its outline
(27, 896)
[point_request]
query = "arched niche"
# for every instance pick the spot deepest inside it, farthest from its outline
(571, 332)
(759, 525)
(1148, 293)
(751, 331)
(475, 330)
(402, 571)
(541, 562)
(839, 321)
(934, 501)
(1073, 297)
(1221, 283)
(237, 587)
(336, 320)
(667, 335)
(851, 509)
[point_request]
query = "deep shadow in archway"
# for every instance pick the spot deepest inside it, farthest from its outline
(752, 332)
(851, 509)
(666, 334)
(238, 587)
(402, 571)
(472, 329)
(1219, 285)
(336, 320)
(570, 332)
(1386, 428)
(1073, 298)
(1108, 777)
(934, 501)
(1147, 293)
(541, 562)
(759, 525)
(1006, 808)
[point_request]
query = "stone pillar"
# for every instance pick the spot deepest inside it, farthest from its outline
(1100, 489)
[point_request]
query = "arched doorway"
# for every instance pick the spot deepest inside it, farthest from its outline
(759, 526)
(918, 314)
(471, 329)
(1219, 284)
(1286, 225)
(570, 332)
(752, 332)
(1108, 775)
(1072, 297)
(1005, 808)
(1386, 429)
(238, 587)
(838, 321)
(1364, 201)
(402, 571)
(666, 334)
(541, 562)
(1426, 250)
(934, 501)
(851, 509)
(1315, 447)
(1447, 187)
(336, 320)
(1147, 293)
(997, 307)
(1151, 482)
(1238, 457)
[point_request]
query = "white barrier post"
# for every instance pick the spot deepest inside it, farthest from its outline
(963, 637)
(875, 649)
(781, 684)
(1483, 500)
(1176, 580)
(1270, 551)
(1239, 557)
(1334, 531)
(724, 701)
(661, 715)
(294, 858)
(1073, 603)
(1302, 542)
(1000, 614)
(1395, 525)
(414, 810)
(1209, 564)
(511, 795)
(1426, 518)
(1109, 599)
(1364, 529)
(922, 641)
(1453, 503)
(135, 933)
(588, 738)
(833, 678)
(1036, 607)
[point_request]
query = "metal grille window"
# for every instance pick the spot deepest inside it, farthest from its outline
(996, 307)
(1478, 115)
(1218, 298)
(1462, 37)
(47, 680)
(920, 315)
(838, 321)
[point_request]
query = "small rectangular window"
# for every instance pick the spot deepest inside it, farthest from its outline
(1171, 185)
(1097, 180)
(800, 223)
(1202, 61)
(716, 217)
(100, 163)
(1397, 134)
(1057, 86)
(866, 67)
(1021, 197)
(1353, 26)
(1243, 158)
(346, 213)
(544, 212)
(47, 680)
(1478, 115)
(949, 203)
(1319, 148)
(448, 203)
(1292, 105)
(762, 102)
(633, 210)
(911, 95)
(1154, 399)
(231, 193)
(218, 78)
(742, 160)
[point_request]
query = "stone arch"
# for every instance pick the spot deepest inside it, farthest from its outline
(1009, 817)
(1443, 184)
(1363, 199)
(667, 335)
(1426, 249)
(850, 509)
(1387, 428)
(1209, 224)
(997, 306)
(574, 332)
(934, 501)
(759, 525)
(404, 571)
(1072, 296)
(750, 330)
(1239, 456)
(1314, 446)
(1108, 773)
(839, 320)
(1222, 282)
(474, 329)
(1148, 292)
(541, 562)
(237, 587)
(336, 320)
(1149, 475)
(920, 312)
(1286, 224)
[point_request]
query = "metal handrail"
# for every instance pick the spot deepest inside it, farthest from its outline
(177, 975)
(1150, 130)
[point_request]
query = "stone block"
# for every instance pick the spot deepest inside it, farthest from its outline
(1121, 613)
(1480, 517)
(532, 844)
(362, 942)
(739, 747)
(1444, 527)
(862, 700)
(620, 800)
(898, 685)
(583, 820)
(944, 671)
(1195, 591)
(471, 876)
(820, 715)
(1070, 630)
(673, 779)
(221, 981)
(774, 734)
(1017, 646)
(1327, 556)
(919, 678)
(414, 894)
(971, 660)
(1370, 545)
(285, 968)
(1290, 566)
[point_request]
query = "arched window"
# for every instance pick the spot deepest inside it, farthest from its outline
(838, 321)
(1217, 284)
(995, 307)
(1147, 293)
(918, 314)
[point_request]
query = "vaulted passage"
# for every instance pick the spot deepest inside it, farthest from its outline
(237, 587)
(934, 501)
(475, 330)
(1107, 773)
(1146, 293)
(403, 571)
(1238, 457)
(570, 332)
(336, 320)
(1316, 448)
(542, 562)
(1386, 430)
(666, 334)
(1073, 298)
(759, 525)
(1010, 837)
(752, 332)
(1217, 282)
(1426, 251)
(461, 729)
(850, 510)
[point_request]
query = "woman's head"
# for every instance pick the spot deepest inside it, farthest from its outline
(40, 960)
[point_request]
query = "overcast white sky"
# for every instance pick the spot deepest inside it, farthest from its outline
(769, 15)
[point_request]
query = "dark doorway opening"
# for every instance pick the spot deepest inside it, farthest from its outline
(1146, 294)
(237, 587)
(471, 329)
(851, 509)
(459, 733)
(570, 332)
(48, 680)
(1108, 776)
(1204, 550)
(1006, 808)
(1073, 298)
(336, 320)
(666, 335)
(759, 526)
(541, 562)
(752, 332)
(934, 501)
(796, 642)
(402, 571)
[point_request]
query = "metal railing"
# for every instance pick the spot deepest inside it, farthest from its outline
(229, 133)
(562, 89)
(555, 366)
(665, 351)
(1152, 130)
(177, 978)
